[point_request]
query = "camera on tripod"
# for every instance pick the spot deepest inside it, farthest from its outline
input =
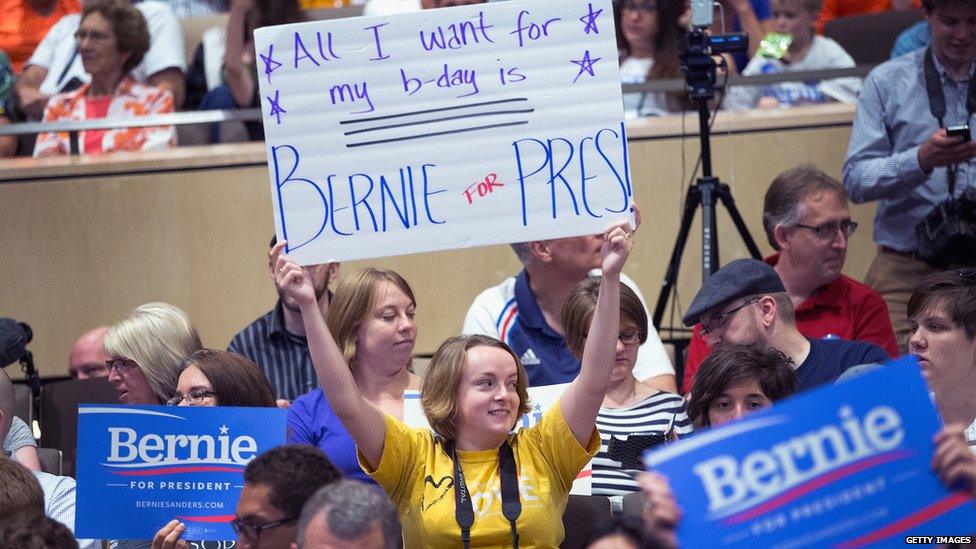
(697, 62)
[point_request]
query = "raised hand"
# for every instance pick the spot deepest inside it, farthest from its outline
(168, 537)
(291, 278)
(617, 243)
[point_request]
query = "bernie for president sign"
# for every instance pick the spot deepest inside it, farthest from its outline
(846, 466)
(140, 467)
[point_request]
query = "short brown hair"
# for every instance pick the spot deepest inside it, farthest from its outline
(353, 303)
(20, 492)
(953, 291)
(37, 533)
(810, 6)
(236, 380)
(440, 387)
(783, 204)
(930, 5)
(293, 472)
(580, 304)
(129, 26)
(729, 365)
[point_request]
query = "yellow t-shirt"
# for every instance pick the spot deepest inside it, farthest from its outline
(419, 477)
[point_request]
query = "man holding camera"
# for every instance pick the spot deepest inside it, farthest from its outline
(910, 149)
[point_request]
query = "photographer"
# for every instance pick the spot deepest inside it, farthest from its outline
(903, 155)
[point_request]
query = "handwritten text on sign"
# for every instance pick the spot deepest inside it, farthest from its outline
(443, 129)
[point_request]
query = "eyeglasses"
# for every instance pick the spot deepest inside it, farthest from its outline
(95, 36)
(828, 231)
(967, 273)
(194, 398)
(723, 319)
(635, 5)
(253, 531)
(629, 337)
(122, 366)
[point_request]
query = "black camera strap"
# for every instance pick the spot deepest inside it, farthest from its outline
(463, 508)
(937, 105)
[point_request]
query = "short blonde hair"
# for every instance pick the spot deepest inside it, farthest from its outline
(353, 303)
(157, 336)
(440, 387)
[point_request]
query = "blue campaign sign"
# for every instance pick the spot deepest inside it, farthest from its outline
(140, 467)
(845, 465)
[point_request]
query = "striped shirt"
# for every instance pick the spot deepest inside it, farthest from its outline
(282, 356)
(651, 415)
(893, 119)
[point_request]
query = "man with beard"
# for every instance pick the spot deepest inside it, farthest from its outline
(746, 303)
(808, 223)
(276, 341)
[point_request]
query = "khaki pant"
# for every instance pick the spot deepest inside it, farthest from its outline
(894, 275)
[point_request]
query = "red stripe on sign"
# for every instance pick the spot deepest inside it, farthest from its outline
(176, 470)
(216, 518)
(921, 516)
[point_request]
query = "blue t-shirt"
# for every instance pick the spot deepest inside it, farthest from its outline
(312, 421)
(829, 358)
(761, 7)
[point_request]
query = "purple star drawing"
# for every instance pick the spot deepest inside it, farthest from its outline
(269, 63)
(585, 65)
(276, 110)
(589, 20)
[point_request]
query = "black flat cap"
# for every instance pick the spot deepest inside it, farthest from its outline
(739, 278)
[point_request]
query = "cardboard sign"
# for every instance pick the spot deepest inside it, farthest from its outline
(140, 467)
(845, 465)
(446, 128)
(541, 398)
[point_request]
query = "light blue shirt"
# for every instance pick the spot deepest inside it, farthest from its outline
(914, 37)
(892, 120)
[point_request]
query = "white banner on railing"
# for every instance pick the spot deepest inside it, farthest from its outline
(447, 128)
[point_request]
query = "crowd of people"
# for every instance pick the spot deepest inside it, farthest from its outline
(64, 60)
(337, 351)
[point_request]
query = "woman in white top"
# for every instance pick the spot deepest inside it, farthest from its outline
(650, 40)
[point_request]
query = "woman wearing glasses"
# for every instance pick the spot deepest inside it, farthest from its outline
(633, 416)
(112, 39)
(147, 349)
(473, 395)
(650, 39)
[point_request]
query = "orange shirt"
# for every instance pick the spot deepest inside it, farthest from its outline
(833, 9)
(22, 28)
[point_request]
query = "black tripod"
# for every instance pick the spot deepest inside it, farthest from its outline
(699, 68)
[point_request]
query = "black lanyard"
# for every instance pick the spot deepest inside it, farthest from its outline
(937, 105)
(511, 506)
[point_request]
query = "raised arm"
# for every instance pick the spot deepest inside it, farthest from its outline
(364, 422)
(584, 396)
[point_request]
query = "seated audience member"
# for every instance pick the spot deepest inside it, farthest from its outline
(371, 318)
(736, 380)
(147, 349)
(808, 223)
(8, 143)
(632, 412)
(185, 9)
(87, 357)
(473, 394)
(525, 312)
(36, 533)
(276, 341)
(650, 40)
(808, 51)
(745, 303)
(913, 38)
(240, 62)
(619, 532)
(18, 440)
(832, 9)
(218, 378)
(25, 22)
(942, 320)
(752, 17)
(57, 66)
(347, 513)
(56, 493)
(112, 40)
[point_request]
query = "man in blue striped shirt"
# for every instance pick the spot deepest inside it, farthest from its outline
(899, 155)
(276, 341)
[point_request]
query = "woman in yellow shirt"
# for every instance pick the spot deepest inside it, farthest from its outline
(475, 482)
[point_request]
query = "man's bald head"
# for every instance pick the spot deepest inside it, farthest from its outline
(87, 357)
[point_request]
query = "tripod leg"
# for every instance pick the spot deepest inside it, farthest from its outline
(725, 194)
(692, 200)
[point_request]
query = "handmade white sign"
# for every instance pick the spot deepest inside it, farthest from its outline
(448, 128)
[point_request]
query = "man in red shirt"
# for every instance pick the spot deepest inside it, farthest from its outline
(807, 220)
(25, 22)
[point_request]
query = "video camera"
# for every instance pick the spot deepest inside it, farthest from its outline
(948, 234)
(697, 62)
